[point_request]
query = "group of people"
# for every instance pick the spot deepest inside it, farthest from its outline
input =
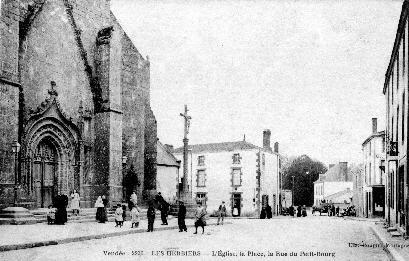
(301, 211)
(333, 211)
(57, 212)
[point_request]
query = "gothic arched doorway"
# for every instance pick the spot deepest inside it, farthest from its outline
(45, 169)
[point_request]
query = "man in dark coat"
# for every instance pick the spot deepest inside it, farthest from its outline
(291, 211)
(269, 213)
(299, 211)
(164, 208)
(181, 217)
(61, 202)
(151, 216)
(263, 213)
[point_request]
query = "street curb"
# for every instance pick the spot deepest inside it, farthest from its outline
(5, 248)
(390, 251)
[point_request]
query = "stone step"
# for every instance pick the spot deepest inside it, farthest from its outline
(395, 234)
(391, 229)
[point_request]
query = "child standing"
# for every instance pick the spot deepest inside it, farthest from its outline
(118, 216)
(135, 216)
(50, 215)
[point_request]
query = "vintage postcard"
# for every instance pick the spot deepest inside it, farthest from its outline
(204, 130)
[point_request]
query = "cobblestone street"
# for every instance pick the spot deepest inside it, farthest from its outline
(326, 238)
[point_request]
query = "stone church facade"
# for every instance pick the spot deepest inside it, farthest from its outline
(75, 93)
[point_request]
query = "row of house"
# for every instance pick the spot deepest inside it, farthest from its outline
(381, 189)
(369, 183)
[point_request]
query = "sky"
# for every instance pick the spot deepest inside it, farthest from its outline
(310, 71)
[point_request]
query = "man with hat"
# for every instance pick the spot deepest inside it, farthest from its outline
(221, 213)
(181, 217)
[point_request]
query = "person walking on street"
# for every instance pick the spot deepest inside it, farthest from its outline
(200, 217)
(299, 211)
(133, 200)
(75, 203)
(182, 216)
(332, 210)
(61, 202)
(104, 213)
(291, 211)
(164, 208)
(100, 209)
(151, 216)
(304, 211)
(221, 213)
(118, 216)
(269, 213)
(135, 216)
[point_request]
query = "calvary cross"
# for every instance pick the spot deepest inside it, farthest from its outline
(187, 121)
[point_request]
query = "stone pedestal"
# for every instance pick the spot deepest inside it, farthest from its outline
(16, 216)
(190, 205)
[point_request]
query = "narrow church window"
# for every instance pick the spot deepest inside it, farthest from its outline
(201, 178)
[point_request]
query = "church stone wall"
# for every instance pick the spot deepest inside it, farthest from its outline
(50, 54)
(135, 98)
(9, 96)
(43, 41)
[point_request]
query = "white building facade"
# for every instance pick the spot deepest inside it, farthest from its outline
(335, 180)
(243, 175)
(373, 182)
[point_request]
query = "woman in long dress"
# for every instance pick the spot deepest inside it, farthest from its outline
(75, 202)
(200, 216)
(100, 210)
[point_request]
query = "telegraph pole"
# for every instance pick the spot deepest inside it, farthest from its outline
(292, 198)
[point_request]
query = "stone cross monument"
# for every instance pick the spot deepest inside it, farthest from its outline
(185, 185)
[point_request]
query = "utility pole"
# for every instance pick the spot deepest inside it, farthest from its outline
(293, 191)
(185, 184)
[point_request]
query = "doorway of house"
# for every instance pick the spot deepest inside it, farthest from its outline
(400, 196)
(236, 204)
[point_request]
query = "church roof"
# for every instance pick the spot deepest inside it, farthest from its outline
(221, 146)
(164, 157)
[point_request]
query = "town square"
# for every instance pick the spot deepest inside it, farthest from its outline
(217, 129)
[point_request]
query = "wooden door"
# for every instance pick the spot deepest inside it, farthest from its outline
(44, 174)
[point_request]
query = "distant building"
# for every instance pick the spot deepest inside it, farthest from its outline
(335, 180)
(357, 199)
(243, 175)
(168, 169)
(341, 199)
(395, 90)
(373, 183)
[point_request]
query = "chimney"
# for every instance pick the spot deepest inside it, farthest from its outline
(169, 147)
(266, 140)
(374, 125)
(343, 171)
(331, 165)
(276, 147)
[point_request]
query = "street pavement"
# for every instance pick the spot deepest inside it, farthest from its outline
(284, 238)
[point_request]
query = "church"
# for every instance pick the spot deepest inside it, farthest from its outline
(74, 105)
